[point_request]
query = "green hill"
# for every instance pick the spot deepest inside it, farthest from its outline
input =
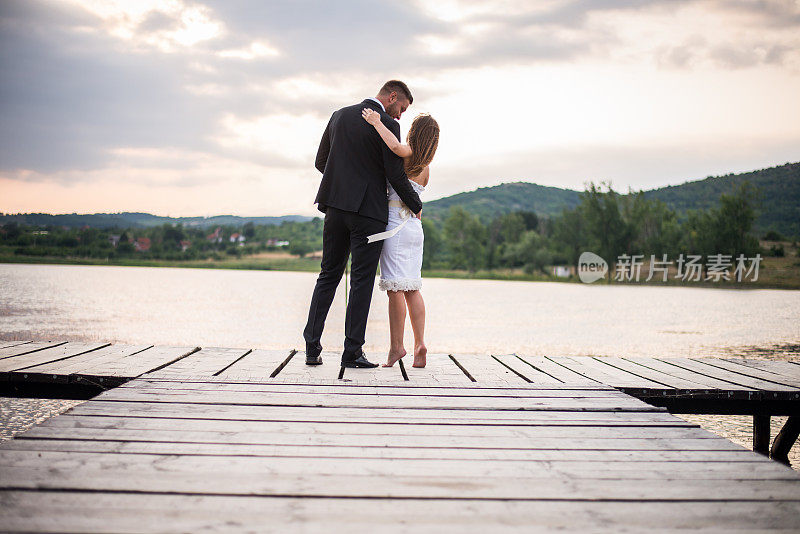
(488, 202)
(779, 202)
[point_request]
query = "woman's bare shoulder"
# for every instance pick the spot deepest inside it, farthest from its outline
(423, 177)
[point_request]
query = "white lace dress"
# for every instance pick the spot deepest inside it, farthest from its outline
(401, 258)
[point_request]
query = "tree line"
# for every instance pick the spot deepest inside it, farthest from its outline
(604, 221)
(164, 242)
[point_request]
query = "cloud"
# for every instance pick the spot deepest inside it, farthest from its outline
(638, 167)
(153, 90)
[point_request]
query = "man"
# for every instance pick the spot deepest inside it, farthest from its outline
(355, 165)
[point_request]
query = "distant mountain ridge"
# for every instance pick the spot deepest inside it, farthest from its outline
(489, 202)
(779, 189)
(779, 203)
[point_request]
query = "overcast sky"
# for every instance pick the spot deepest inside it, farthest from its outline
(217, 107)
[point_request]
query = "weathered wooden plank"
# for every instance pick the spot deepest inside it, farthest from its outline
(384, 429)
(345, 384)
(410, 415)
(268, 483)
(19, 350)
(535, 376)
(631, 456)
(555, 370)
(52, 354)
(157, 387)
(487, 370)
(88, 360)
(205, 362)
(344, 400)
(438, 371)
(412, 467)
(133, 365)
(258, 364)
(297, 372)
(11, 344)
(606, 374)
(685, 374)
(669, 381)
(550, 441)
(753, 372)
(782, 368)
(698, 366)
(60, 511)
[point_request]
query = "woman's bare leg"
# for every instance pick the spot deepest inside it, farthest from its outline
(416, 311)
(397, 323)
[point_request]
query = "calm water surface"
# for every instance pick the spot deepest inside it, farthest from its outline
(267, 309)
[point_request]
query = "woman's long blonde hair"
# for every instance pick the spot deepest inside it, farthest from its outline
(423, 138)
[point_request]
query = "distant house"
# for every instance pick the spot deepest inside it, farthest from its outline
(216, 237)
(114, 240)
(237, 238)
(184, 245)
(562, 271)
(142, 244)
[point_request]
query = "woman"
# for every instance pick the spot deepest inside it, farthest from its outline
(401, 257)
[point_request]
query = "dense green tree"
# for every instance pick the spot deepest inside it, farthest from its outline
(735, 217)
(172, 236)
(300, 248)
(699, 233)
(466, 238)
(610, 235)
(654, 227)
(12, 231)
(570, 235)
(434, 243)
(529, 219)
(249, 230)
(530, 252)
(502, 231)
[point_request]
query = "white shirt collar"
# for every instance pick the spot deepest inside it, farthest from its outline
(379, 103)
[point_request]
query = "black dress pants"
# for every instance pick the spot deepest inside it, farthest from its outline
(343, 233)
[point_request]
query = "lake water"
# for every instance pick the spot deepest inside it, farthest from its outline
(267, 309)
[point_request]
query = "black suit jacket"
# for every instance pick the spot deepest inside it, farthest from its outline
(355, 164)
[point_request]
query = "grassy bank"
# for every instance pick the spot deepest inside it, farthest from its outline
(261, 262)
(775, 273)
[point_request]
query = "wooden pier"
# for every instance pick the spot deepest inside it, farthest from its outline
(188, 439)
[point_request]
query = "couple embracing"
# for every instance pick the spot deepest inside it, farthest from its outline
(369, 193)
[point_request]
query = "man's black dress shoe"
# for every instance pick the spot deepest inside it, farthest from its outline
(314, 360)
(359, 363)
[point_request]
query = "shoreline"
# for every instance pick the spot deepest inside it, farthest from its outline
(311, 264)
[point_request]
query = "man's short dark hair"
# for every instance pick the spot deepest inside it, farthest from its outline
(398, 87)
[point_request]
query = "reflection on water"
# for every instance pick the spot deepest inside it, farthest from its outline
(267, 309)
